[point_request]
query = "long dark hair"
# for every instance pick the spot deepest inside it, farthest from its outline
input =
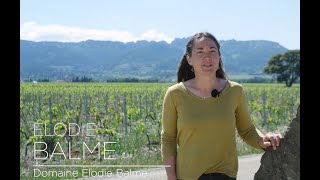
(184, 69)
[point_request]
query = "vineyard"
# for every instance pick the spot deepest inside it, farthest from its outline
(119, 123)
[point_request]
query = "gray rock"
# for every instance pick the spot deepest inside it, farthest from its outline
(284, 163)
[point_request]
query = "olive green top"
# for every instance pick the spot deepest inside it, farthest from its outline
(201, 132)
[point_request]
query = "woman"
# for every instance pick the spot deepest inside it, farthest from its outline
(201, 114)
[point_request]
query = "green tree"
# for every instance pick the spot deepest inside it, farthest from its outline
(286, 66)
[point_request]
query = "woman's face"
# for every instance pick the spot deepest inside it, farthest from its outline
(204, 57)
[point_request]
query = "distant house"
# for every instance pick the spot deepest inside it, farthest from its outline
(34, 82)
(60, 81)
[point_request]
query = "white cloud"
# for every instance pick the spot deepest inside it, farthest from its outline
(35, 32)
(155, 36)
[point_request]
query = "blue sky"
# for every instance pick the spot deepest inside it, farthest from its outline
(132, 20)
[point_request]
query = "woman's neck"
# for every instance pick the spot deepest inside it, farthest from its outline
(206, 84)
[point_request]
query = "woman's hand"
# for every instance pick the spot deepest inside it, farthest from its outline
(270, 139)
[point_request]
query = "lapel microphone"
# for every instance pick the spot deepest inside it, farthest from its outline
(215, 93)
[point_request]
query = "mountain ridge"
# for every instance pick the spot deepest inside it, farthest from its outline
(102, 60)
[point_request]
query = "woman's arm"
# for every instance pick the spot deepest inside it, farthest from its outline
(171, 171)
(169, 135)
(247, 130)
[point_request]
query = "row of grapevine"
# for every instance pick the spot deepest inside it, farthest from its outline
(127, 113)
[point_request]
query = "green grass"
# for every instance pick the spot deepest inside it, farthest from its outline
(248, 76)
